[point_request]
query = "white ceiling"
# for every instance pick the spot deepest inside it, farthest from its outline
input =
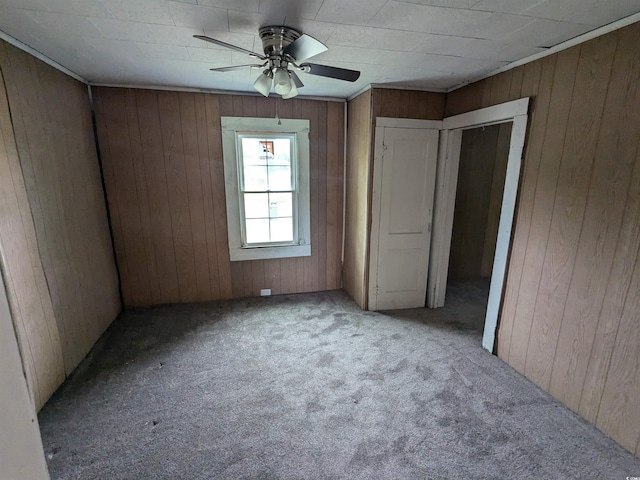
(430, 44)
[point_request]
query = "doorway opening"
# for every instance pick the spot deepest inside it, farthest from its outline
(512, 113)
(418, 230)
(484, 153)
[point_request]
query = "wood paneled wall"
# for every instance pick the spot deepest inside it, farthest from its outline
(407, 104)
(362, 112)
(357, 197)
(57, 253)
(569, 319)
(29, 299)
(481, 176)
(162, 158)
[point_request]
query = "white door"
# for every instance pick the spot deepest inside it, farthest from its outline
(403, 192)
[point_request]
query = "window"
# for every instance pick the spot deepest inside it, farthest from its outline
(266, 169)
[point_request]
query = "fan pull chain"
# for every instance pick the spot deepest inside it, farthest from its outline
(277, 117)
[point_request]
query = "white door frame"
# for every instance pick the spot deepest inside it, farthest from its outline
(446, 185)
(381, 124)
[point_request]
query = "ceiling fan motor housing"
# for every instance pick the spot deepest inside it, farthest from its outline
(276, 38)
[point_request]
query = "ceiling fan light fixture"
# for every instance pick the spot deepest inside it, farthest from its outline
(283, 82)
(263, 82)
(292, 93)
(284, 46)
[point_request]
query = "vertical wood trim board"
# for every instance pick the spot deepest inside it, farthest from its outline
(58, 189)
(21, 451)
(571, 303)
(162, 158)
(356, 225)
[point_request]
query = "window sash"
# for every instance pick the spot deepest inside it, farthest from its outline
(293, 164)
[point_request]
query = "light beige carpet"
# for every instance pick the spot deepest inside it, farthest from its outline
(309, 386)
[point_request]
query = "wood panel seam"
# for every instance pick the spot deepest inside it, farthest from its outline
(534, 118)
(597, 118)
(552, 209)
(29, 211)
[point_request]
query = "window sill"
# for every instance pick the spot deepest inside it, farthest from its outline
(265, 253)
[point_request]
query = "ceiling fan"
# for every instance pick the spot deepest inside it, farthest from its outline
(285, 49)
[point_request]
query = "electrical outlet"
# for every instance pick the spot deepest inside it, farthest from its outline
(265, 292)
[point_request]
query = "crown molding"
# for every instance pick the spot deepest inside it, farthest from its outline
(585, 37)
(210, 90)
(26, 48)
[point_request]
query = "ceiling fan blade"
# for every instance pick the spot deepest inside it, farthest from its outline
(304, 48)
(228, 45)
(331, 72)
(234, 67)
(296, 79)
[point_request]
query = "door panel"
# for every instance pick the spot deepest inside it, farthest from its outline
(406, 184)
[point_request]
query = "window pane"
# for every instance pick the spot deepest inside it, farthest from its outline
(256, 205)
(282, 152)
(279, 178)
(267, 167)
(280, 205)
(257, 231)
(253, 152)
(255, 178)
(282, 229)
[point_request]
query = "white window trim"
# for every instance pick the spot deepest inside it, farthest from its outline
(231, 126)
